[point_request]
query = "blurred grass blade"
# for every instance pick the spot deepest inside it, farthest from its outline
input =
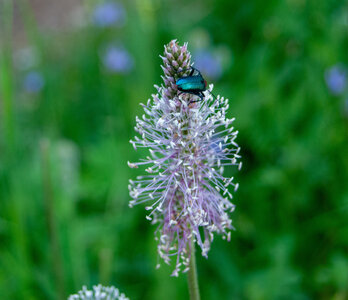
(6, 73)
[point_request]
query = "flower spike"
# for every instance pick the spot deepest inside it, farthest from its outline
(190, 143)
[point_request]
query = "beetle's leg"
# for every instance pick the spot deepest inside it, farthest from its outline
(200, 95)
(178, 94)
(190, 93)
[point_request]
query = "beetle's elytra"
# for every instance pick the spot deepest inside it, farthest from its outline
(192, 84)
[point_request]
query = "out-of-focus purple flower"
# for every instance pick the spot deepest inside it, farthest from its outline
(117, 59)
(336, 79)
(208, 64)
(190, 143)
(33, 82)
(108, 14)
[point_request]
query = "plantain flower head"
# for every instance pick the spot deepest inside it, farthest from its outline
(190, 142)
(99, 292)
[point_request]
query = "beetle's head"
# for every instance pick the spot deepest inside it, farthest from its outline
(178, 86)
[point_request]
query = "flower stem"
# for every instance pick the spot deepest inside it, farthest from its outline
(192, 278)
(52, 221)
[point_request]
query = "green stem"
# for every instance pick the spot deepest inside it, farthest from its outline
(52, 223)
(192, 278)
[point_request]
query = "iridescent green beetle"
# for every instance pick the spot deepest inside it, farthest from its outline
(193, 84)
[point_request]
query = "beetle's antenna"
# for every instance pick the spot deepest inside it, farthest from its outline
(184, 70)
(214, 98)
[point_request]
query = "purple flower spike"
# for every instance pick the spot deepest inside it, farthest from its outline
(189, 144)
(108, 14)
(336, 79)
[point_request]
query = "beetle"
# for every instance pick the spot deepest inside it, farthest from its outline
(193, 84)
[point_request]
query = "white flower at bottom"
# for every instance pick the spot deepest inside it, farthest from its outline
(190, 143)
(99, 292)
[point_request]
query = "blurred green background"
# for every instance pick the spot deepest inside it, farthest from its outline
(72, 75)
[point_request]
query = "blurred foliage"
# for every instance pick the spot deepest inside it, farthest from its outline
(64, 219)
